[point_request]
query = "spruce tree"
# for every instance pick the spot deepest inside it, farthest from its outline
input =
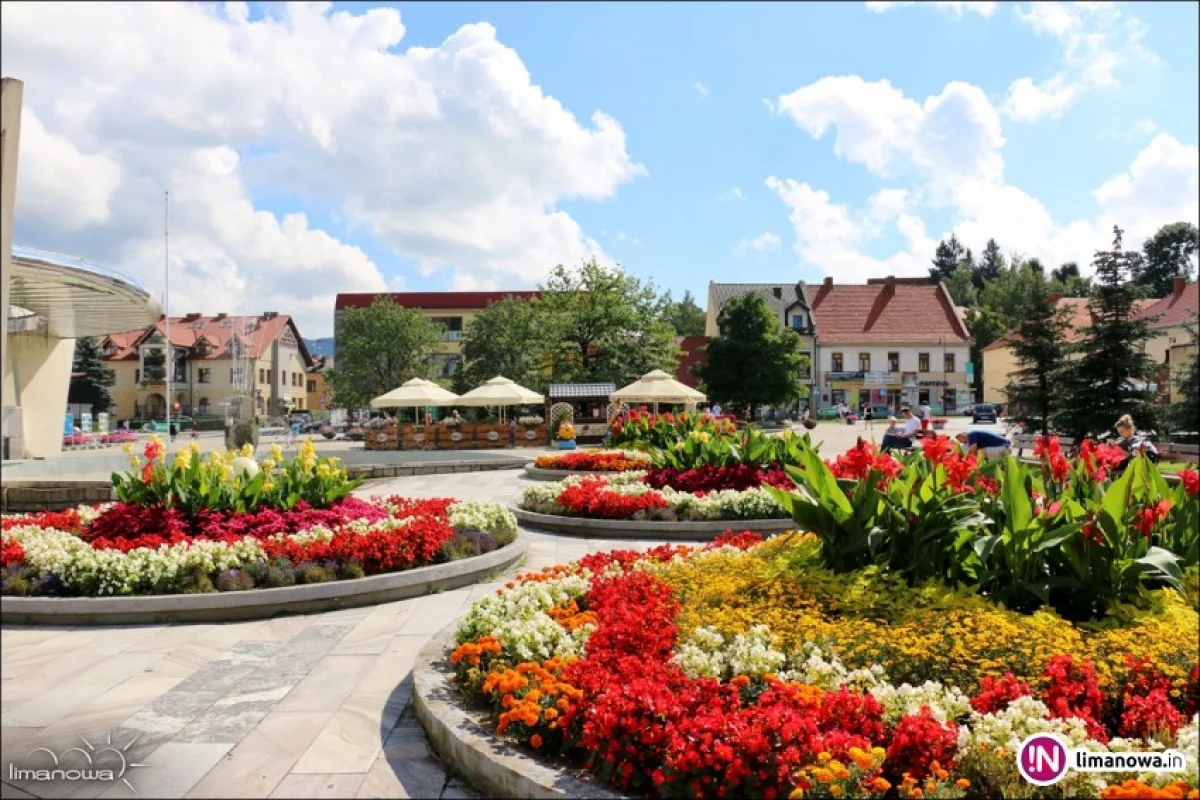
(946, 259)
(1101, 385)
(1034, 393)
(990, 265)
(90, 378)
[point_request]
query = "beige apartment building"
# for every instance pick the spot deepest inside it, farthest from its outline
(219, 363)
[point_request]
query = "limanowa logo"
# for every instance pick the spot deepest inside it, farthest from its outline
(1044, 759)
(108, 763)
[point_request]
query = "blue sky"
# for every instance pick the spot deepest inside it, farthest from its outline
(710, 99)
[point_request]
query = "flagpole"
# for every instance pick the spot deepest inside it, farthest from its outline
(167, 304)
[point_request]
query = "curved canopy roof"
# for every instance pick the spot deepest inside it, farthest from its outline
(500, 391)
(74, 298)
(658, 387)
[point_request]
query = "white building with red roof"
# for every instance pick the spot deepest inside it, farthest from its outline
(221, 363)
(1173, 321)
(892, 341)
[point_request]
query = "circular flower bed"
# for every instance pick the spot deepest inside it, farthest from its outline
(745, 669)
(231, 524)
(593, 461)
(627, 496)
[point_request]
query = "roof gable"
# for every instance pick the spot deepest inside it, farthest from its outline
(892, 310)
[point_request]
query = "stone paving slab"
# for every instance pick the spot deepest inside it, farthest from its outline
(316, 705)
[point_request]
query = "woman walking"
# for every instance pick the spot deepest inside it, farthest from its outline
(869, 417)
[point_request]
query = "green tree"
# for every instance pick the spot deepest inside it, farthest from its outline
(1067, 281)
(685, 316)
(1169, 252)
(948, 257)
(1040, 349)
(90, 378)
(990, 265)
(604, 325)
(379, 347)
(754, 360)
(154, 365)
(1100, 386)
(504, 339)
(961, 286)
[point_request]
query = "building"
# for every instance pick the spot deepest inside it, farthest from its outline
(894, 342)
(1173, 322)
(317, 390)
(791, 304)
(1000, 361)
(691, 355)
(218, 362)
(47, 301)
(453, 311)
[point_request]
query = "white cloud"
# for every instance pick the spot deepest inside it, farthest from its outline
(957, 7)
(1097, 39)
(733, 194)
(763, 243)
(949, 149)
(1146, 127)
(451, 156)
(701, 90)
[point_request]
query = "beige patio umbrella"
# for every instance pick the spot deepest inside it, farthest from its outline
(500, 391)
(416, 393)
(657, 387)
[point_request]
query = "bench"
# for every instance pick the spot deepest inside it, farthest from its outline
(1027, 440)
(1187, 453)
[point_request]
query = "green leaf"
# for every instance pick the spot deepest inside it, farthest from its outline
(1017, 507)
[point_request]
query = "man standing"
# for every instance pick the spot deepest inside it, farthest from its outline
(904, 439)
(926, 414)
(716, 409)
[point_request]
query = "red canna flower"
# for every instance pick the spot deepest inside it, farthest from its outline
(1191, 481)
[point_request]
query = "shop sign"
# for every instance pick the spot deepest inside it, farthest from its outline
(591, 428)
(841, 377)
(69, 425)
(935, 383)
(877, 378)
(910, 380)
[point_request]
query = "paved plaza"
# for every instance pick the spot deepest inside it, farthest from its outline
(305, 706)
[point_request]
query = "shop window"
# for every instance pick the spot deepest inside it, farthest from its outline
(923, 397)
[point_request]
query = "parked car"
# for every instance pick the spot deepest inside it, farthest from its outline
(827, 413)
(160, 426)
(984, 412)
(882, 412)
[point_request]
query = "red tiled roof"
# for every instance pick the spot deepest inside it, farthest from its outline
(1079, 316)
(256, 333)
(430, 299)
(904, 311)
(1177, 309)
(692, 355)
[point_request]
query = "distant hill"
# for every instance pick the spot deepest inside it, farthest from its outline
(320, 347)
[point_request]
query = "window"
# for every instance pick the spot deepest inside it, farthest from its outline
(806, 371)
(864, 362)
(835, 362)
(452, 327)
(893, 362)
(923, 397)
(204, 407)
(922, 362)
(283, 377)
(839, 396)
(949, 362)
(262, 375)
(204, 375)
(312, 387)
(137, 376)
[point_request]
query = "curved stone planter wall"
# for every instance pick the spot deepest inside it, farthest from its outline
(538, 474)
(467, 740)
(628, 529)
(258, 603)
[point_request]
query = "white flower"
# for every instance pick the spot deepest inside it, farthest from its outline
(244, 467)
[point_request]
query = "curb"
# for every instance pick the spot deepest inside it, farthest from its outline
(629, 529)
(259, 603)
(467, 740)
(538, 474)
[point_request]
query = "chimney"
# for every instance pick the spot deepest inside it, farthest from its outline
(1178, 285)
(220, 317)
(778, 292)
(829, 282)
(270, 314)
(890, 284)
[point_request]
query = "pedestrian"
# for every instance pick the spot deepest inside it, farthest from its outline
(903, 440)
(926, 415)
(869, 417)
(1129, 441)
(716, 409)
(992, 445)
(289, 439)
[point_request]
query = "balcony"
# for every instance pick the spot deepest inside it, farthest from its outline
(452, 336)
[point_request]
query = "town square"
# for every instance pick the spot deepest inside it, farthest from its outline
(597, 400)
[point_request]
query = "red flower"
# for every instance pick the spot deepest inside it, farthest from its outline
(863, 459)
(742, 540)
(1149, 516)
(995, 694)
(936, 448)
(592, 497)
(11, 552)
(1145, 716)
(148, 472)
(153, 450)
(1191, 481)
(1073, 690)
(920, 740)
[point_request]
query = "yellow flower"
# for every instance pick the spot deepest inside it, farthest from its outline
(154, 437)
(268, 486)
(835, 790)
(247, 450)
(183, 459)
(134, 462)
(324, 470)
(823, 775)
(797, 794)
(127, 447)
(276, 452)
(194, 447)
(268, 464)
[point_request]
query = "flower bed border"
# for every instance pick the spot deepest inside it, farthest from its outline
(700, 531)
(259, 603)
(467, 739)
(538, 474)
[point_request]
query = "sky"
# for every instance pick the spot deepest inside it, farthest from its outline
(311, 149)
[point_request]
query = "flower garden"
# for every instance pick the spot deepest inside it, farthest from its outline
(929, 613)
(231, 523)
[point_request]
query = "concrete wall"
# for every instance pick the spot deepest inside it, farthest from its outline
(10, 140)
(39, 379)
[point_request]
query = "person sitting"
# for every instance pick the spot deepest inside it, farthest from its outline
(903, 440)
(991, 445)
(1129, 441)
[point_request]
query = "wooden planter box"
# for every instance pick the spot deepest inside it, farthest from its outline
(492, 436)
(460, 438)
(385, 438)
(416, 438)
(532, 437)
